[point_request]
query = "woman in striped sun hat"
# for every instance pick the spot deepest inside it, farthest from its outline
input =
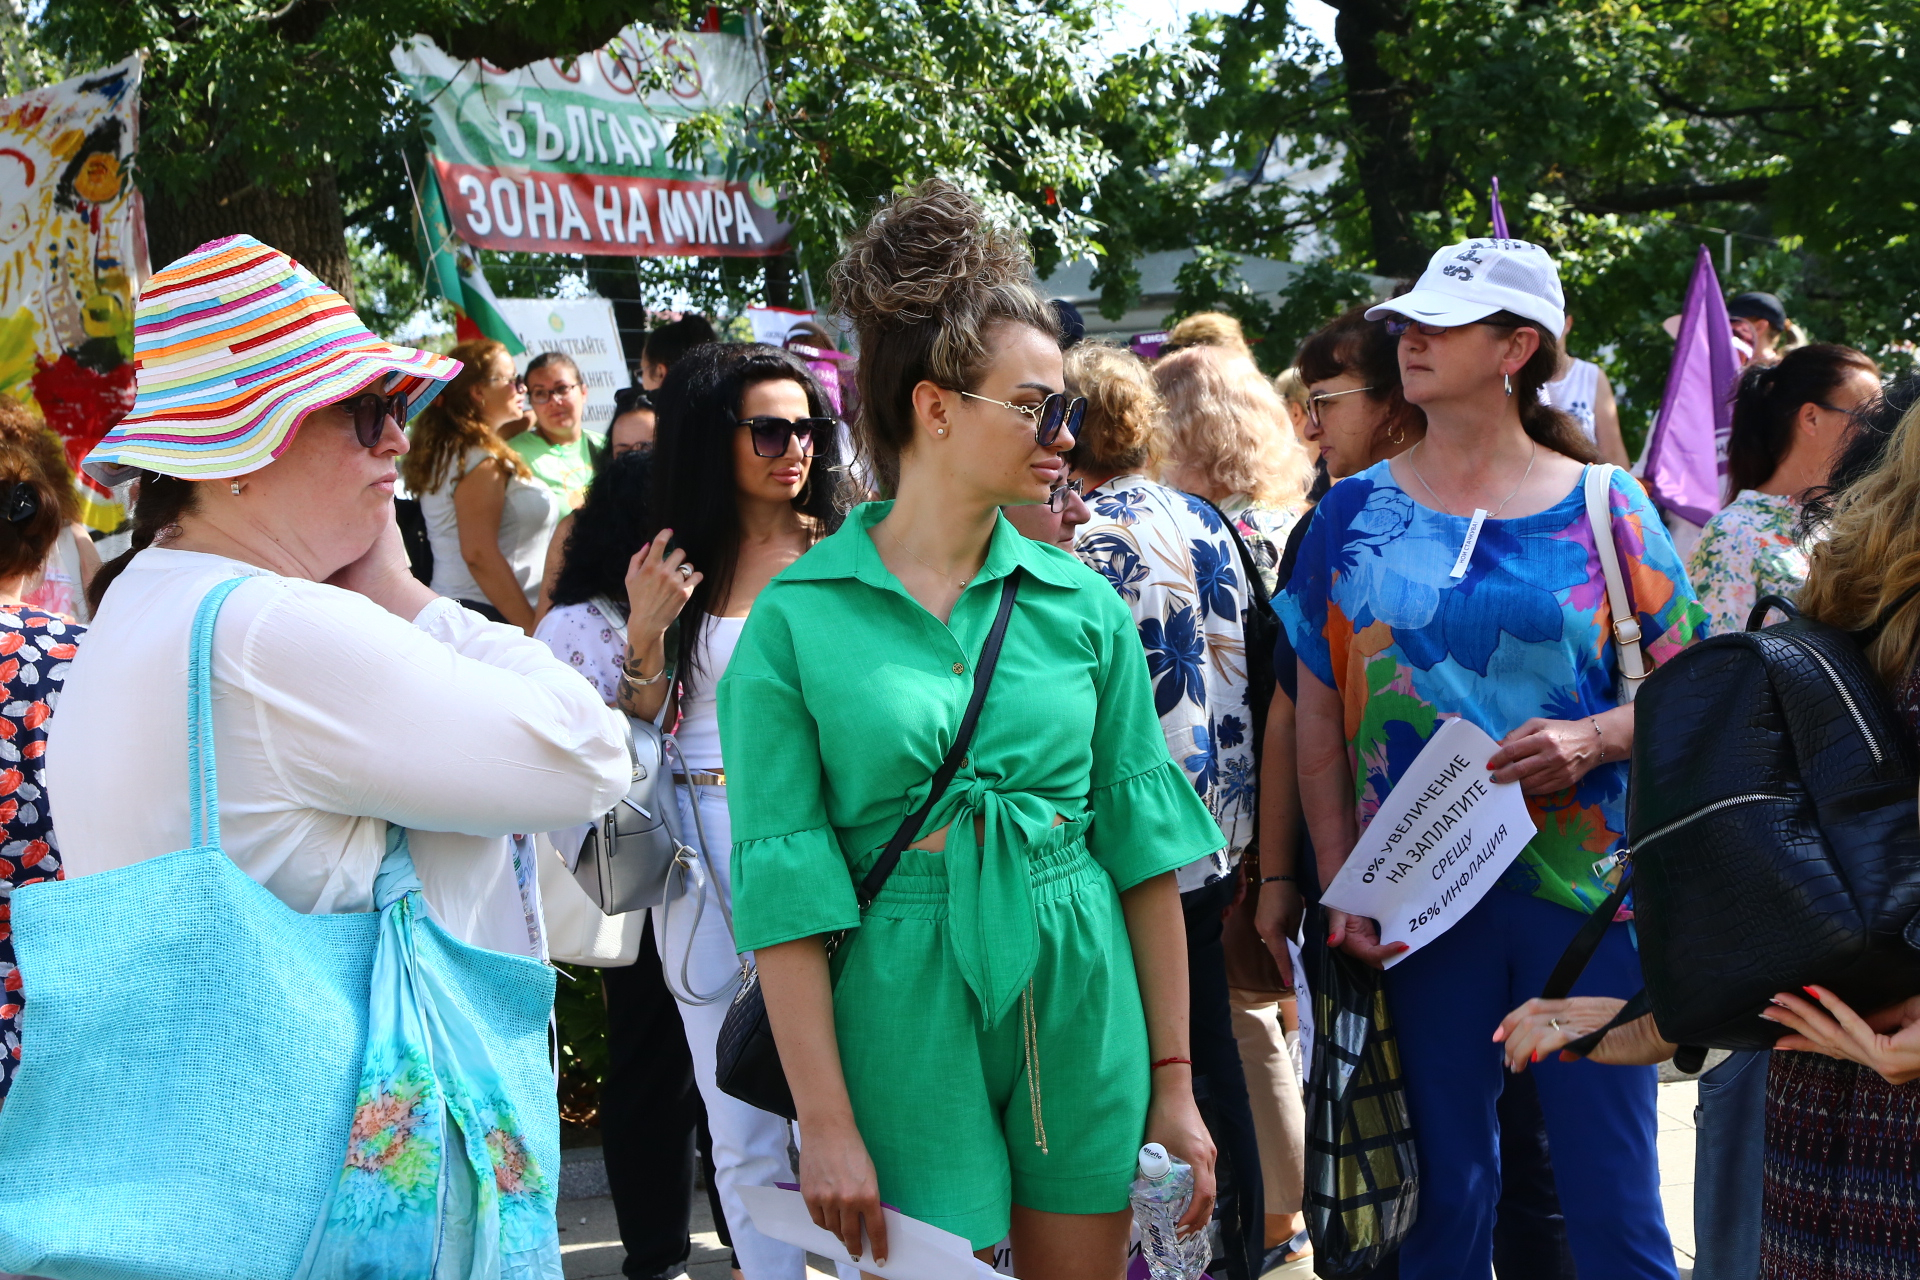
(347, 697)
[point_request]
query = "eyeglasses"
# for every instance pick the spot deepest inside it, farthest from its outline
(558, 392)
(370, 414)
(1057, 499)
(770, 435)
(1049, 417)
(1313, 401)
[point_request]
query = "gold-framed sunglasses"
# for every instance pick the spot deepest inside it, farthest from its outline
(1049, 417)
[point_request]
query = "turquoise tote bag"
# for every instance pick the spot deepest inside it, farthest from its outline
(213, 1085)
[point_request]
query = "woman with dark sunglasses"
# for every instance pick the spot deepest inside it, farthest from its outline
(744, 480)
(1006, 1023)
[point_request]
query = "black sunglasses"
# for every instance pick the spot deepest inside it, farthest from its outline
(770, 435)
(370, 413)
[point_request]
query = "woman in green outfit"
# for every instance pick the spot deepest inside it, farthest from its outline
(981, 1053)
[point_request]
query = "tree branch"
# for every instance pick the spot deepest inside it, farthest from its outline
(1676, 195)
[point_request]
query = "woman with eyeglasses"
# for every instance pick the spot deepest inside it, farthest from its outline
(1172, 560)
(489, 520)
(743, 482)
(1054, 521)
(558, 447)
(1460, 579)
(1005, 1021)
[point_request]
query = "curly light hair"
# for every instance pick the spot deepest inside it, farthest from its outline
(925, 283)
(1207, 329)
(1121, 432)
(1228, 431)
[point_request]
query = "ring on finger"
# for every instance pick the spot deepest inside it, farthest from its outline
(685, 571)
(1554, 1023)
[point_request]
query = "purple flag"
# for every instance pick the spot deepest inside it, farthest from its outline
(1686, 464)
(1499, 214)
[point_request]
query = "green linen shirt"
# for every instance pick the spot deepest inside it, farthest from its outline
(567, 469)
(843, 696)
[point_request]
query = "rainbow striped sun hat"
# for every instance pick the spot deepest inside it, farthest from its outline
(235, 343)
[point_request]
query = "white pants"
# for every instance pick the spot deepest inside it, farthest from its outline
(749, 1145)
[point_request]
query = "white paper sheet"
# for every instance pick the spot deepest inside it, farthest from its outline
(916, 1250)
(1437, 843)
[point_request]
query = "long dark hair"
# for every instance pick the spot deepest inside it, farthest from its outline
(693, 490)
(607, 530)
(1769, 399)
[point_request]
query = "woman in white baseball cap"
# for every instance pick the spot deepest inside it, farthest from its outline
(1462, 579)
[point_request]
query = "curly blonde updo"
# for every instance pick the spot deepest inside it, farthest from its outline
(925, 282)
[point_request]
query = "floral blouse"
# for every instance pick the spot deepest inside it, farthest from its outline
(1174, 564)
(1374, 612)
(1265, 531)
(1748, 550)
(35, 649)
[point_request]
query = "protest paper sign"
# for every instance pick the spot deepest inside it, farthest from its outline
(1438, 842)
(72, 254)
(574, 155)
(584, 330)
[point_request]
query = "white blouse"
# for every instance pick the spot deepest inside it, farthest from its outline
(332, 718)
(527, 518)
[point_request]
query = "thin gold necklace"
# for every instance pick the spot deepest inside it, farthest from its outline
(1491, 515)
(944, 577)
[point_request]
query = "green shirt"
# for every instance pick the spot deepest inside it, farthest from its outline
(844, 694)
(567, 469)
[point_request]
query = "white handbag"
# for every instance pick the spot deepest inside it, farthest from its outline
(578, 932)
(1626, 624)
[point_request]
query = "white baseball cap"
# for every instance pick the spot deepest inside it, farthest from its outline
(1470, 281)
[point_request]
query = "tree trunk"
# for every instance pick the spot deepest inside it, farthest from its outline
(1395, 180)
(306, 225)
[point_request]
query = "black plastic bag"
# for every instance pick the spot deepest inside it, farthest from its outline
(1363, 1183)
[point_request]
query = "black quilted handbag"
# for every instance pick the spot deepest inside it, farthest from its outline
(746, 1060)
(1775, 839)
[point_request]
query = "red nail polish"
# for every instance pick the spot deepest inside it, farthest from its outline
(1810, 991)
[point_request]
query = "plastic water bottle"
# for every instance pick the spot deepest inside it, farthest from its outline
(1160, 1195)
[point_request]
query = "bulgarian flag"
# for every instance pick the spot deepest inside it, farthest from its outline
(452, 268)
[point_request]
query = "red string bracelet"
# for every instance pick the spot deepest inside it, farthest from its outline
(1167, 1062)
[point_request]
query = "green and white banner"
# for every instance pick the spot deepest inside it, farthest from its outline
(574, 156)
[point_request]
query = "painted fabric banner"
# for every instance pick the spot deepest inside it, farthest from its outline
(574, 157)
(72, 252)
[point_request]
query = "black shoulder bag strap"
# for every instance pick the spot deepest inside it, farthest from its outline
(1574, 960)
(876, 877)
(1255, 583)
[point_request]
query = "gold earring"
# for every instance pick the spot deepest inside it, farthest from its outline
(235, 486)
(1398, 435)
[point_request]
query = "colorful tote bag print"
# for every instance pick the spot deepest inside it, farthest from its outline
(215, 1085)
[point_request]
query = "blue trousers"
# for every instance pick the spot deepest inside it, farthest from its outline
(1730, 1133)
(1446, 999)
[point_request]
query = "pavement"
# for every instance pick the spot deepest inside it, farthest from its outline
(590, 1240)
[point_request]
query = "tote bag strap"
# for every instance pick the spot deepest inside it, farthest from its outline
(1626, 625)
(203, 777)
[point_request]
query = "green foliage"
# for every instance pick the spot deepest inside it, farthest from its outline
(580, 1010)
(870, 96)
(1624, 134)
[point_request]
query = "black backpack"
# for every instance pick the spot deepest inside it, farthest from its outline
(1774, 835)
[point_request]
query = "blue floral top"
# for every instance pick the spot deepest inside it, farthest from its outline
(1172, 560)
(35, 650)
(1373, 611)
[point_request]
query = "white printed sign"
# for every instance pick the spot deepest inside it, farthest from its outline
(584, 329)
(1438, 842)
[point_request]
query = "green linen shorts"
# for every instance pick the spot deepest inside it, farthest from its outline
(944, 1106)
